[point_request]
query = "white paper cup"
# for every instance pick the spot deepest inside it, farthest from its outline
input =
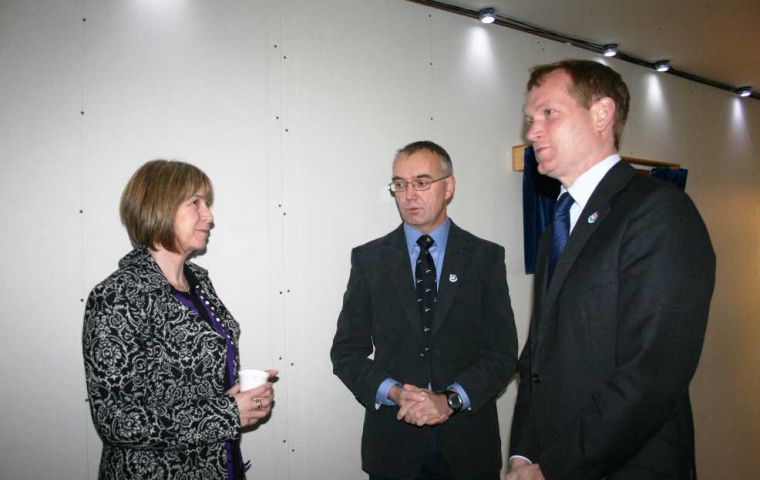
(250, 378)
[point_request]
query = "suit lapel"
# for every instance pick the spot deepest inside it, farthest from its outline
(578, 239)
(455, 263)
(402, 278)
(593, 215)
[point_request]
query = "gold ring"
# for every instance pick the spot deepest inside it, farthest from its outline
(259, 405)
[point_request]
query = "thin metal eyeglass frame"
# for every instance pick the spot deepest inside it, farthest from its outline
(406, 185)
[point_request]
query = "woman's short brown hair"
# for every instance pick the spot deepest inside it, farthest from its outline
(152, 197)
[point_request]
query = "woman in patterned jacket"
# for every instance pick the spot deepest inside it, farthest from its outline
(160, 348)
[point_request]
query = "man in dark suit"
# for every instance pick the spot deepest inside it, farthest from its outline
(431, 301)
(620, 307)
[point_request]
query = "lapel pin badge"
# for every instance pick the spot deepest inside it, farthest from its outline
(453, 277)
(592, 218)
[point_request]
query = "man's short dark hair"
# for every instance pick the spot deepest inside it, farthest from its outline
(591, 82)
(433, 147)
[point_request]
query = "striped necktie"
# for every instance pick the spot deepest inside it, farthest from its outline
(425, 284)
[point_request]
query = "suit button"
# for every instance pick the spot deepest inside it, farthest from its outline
(536, 378)
(422, 354)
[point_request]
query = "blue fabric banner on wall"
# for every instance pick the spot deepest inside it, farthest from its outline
(539, 197)
(676, 176)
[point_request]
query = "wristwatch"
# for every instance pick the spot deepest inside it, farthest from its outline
(454, 400)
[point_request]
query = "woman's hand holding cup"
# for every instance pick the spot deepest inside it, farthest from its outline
(255, 402)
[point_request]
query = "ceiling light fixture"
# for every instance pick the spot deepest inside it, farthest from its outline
(610, 50)
(487, 15)
(662, 65)
(743, 91)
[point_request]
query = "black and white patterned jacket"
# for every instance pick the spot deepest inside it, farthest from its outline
(155, 375)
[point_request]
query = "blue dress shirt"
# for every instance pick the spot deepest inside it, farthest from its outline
(437, 251)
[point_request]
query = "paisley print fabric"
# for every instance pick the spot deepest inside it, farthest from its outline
(155, 374)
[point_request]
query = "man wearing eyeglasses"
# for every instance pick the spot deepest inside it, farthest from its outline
(430, 300)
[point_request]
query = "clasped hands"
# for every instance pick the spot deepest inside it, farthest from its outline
(420, 406)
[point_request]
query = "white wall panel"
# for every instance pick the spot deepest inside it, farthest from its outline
(41, 399)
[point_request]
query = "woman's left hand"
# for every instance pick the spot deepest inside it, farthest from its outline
(254, 404)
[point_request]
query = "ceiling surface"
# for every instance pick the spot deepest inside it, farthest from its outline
(718, 40)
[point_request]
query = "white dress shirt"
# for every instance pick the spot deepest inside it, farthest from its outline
(583, 186)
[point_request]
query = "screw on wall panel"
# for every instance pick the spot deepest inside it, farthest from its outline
(284, 57)
(84, 19)
(81, 299)
(279, 358)
(275, 45)
(292, 364)
(284, 441)
(280, 292)
(287, 130)
(284, 213)
(288, 290)
(292, 450)
(277, 117)
(81, 211)
(81, 113)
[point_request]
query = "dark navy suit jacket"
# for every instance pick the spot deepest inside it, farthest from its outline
(616, 336)
(473, 343)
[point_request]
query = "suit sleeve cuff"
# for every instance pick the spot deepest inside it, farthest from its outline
(520, 457)
(381, 398)
(460, 390)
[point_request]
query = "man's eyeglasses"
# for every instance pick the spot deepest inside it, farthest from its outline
(418, 184)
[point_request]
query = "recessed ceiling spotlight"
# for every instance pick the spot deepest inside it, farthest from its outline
(743, 91)
(610, 50)
(662, 65)
(487, 15)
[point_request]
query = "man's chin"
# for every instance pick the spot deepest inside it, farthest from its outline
(410, 219)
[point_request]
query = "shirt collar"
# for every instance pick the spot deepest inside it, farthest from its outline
(440, 236)
(584, 186)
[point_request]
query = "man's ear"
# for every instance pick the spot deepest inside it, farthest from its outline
(604, 113)
(451, 183)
